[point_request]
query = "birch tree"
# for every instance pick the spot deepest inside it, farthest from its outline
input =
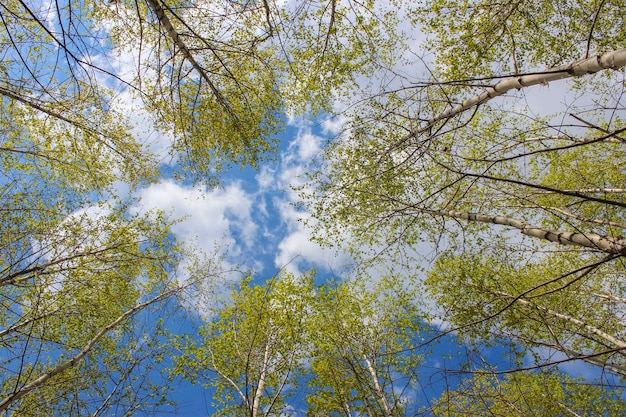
(339, 346)
(520, 207)
(361, 361)
(72, 342)
(509, 298)
(74, 271)
(251, 354)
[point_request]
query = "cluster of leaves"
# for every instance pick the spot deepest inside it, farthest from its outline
(528, 394)
(483, 39)
(218, 77)
(288, 346)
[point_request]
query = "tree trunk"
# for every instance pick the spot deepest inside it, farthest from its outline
(590, 240)
(379, 391)
(607, 60)
(259, 389)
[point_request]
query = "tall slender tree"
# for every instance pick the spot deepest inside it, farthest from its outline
(253, 351)
(338, 349)
(361, 359)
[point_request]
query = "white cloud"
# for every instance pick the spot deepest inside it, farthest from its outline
(65, 240)
(124, 62)
(208, 217)
(265, 178)
(335, 124)
(308, 145)
(218, 223)
(297, 249)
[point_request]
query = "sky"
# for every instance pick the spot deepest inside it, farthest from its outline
(252, 215)
(254, 221)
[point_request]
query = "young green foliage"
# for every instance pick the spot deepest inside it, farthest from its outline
(252, 351)
(68, 304)
(345, 347)
(220, 86)
(542, 394)
(361, 357)
(506, 297)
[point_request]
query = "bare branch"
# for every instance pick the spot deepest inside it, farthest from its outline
(587, 220)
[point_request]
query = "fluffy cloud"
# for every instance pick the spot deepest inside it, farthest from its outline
(308, 146)
(253, 219)
(207, 217)
(296, 250)
(265, 178)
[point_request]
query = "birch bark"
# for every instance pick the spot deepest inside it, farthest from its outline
(608, 60)
(606, 244)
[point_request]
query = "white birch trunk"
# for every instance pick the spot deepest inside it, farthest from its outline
(608, 60)
(261, 385)
(588, 328)
(379, 391)
(590, 240)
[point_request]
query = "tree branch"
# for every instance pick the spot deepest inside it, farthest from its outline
(590, 240)
(173, 34)
(589, 328)
(28, 388)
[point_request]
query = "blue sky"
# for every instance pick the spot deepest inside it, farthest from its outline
(252, 216)
(254, 223)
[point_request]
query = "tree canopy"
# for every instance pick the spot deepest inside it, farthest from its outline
(80, 263)
(484, 175)
(339, 346)
(528, 394)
